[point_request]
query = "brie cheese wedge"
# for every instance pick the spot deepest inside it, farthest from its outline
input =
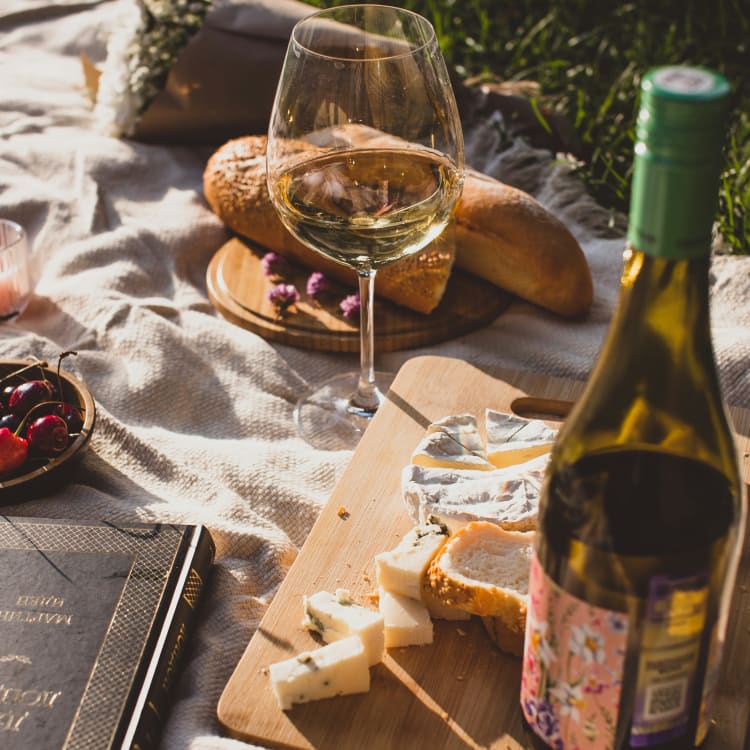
(452, 443)
(514, 440)
(508, 497)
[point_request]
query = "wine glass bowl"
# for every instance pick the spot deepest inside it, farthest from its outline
(365, 166)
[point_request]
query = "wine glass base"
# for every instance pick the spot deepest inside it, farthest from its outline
(326, 417)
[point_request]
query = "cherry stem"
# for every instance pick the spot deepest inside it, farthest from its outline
(59, 361)
(39, 363)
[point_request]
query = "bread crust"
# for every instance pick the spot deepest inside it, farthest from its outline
(498, 233)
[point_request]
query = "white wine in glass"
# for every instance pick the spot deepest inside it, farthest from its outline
(365, 166)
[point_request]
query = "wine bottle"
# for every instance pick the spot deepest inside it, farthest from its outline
(642, 509)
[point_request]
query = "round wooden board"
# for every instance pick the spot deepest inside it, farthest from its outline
(238, 289)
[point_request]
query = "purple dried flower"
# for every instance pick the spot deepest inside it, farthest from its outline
(317, 284)
(283, 296)
(350, 306)
(274, 264)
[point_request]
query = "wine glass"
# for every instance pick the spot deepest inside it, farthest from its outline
(365, 164)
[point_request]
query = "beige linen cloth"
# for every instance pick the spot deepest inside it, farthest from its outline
(194, 414)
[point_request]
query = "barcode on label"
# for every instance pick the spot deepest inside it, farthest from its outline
(665, 699)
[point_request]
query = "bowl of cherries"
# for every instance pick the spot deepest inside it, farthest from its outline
(46, 419)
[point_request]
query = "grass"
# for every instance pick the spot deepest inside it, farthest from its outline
(588, 57)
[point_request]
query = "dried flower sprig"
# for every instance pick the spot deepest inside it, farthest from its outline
(317, 285)
(283, 296)
(140, 54)
(275, 265)
(350, 306)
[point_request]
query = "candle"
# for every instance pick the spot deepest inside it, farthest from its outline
(15, 281)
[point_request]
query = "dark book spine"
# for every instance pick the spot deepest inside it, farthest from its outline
(154, 699)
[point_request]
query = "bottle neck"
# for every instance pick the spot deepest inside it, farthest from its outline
(664, 303)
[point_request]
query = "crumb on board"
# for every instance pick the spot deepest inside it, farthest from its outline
(343, 513)
(373, 597)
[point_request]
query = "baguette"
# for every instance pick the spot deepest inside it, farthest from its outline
(498, 233)
(234, 184)
(484, 570)
(505, 236)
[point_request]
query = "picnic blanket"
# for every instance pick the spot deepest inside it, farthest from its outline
(194, 413)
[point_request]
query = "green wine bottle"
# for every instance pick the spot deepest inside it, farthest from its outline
(642, 508)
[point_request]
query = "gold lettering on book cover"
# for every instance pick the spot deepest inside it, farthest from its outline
(174, 654)
(44, 618)
(11, 721)
(45, 602)
(17, 704)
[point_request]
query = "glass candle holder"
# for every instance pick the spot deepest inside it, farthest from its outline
(16, 285)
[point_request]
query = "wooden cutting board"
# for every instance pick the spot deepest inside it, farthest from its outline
(459, 692)
(238, 289)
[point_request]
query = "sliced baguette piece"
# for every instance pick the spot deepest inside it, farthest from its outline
(484, 570)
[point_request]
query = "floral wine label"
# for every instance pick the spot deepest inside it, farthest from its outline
(574, 660)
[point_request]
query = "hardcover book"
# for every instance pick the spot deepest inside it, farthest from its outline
(94, 620)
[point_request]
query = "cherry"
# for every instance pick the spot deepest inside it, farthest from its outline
(29, 394)
(73, 416)
(10, 421)
(48, 435)
(5, 394)
(13, 451)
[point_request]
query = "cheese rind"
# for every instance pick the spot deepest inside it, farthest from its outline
(508, 497)
(407, 621)
(514, 440)
(339, 668)
(336, 616)
(400, 570)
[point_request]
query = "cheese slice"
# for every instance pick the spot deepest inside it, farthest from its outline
(339, 668)
(514, 440)
(508, 497)
(401, 569)
(407, 621)
(336, 616)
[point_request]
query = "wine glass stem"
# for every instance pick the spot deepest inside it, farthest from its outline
(366, 398)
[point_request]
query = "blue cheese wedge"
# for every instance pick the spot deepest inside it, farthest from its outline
(407, 621)
(513, 440)
(401, 569)
(452, 443)
(508, 497)
(339, 668)
(336, 616)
